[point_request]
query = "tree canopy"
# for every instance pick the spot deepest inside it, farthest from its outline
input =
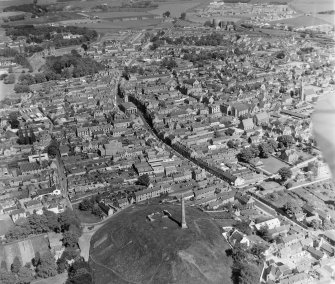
(285, 173)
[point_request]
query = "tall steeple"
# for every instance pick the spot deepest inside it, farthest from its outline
(183, 217)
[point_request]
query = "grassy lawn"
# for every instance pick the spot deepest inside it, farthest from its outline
(159, 251)
(85, 216)
(283, 197)
(272, 164)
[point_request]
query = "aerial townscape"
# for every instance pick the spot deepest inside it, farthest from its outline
(165, 141)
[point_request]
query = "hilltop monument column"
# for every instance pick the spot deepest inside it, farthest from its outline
(183, 217)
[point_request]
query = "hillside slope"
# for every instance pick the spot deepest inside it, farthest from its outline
(131, 249)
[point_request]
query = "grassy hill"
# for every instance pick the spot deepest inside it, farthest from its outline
(131, 249)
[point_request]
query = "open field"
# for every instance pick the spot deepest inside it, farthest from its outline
(313, 7)
(139, 251)
(301, 21)
(175, 8)
(25, 249)
(106, 26)
(272, 165)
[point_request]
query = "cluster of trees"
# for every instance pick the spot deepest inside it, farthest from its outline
(17, 274)
(169, 63)
(27, 8)
(29, 79)
(72, 65)
(213, 39)
(19, 88)
(8, 79)
(167, 14)
(292, 207)
(246, 263)
(80, 273)
(204, 55)
(26, 138)
(13, 120)
(144, 180)
(40, 34)
(305, 50)
(285, 173)
(33, 49)
(23, 61)
(53, 148)
(131, 70)
(66, 222)
(91, 205)
(45, 265)
(264, 149)
(285, 141)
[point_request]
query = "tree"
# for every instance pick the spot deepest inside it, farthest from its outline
(19, 88)
(80, 272)
(25, 275)
(53, 148)
(249, 274)
(52, 221)
(315, 224)
(263, 232)
(243, 227)
(86, 205)
(166, 14)
(32, 136)
(258, 250)
(286, 140)
(292, 208)
(16, 265)
(144, 180)
(285, 173)
(10, 79)
(47, 266)
(37, 259)
(26, 137)
(183, 16)
(40, 78)
(70, 239)
(247, 154)
(239, 254)
(208, 24)
(68, 218)
(3, 265)
(264, 150)
(14, 123)
(97, 211)
(7, 277)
